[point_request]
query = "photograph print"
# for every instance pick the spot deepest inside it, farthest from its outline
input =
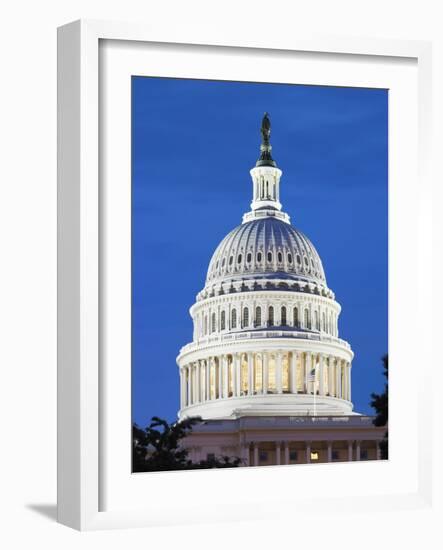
(259, 274)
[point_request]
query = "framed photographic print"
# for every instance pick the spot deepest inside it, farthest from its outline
(232, 221)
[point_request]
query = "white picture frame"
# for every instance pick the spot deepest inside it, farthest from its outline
(82, 394)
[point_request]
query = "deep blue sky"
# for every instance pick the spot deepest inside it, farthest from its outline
(193, 144)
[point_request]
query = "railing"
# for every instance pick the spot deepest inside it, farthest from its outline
(220, 338)
(285, 422)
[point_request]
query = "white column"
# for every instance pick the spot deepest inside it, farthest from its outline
(331, 385)
(199, 382)
(237, 374)
(350, 451)
(265, 360)
(250, 373)
(357, 450)
(321, 375)
(286, 452)
(308, 452)
(279, 373)
(278, 453)
(208, 379)
(293, 373)
(182, 388)
(308, 359)
(329, 451)
(255, 447)
(189, 400)
(349, 382)
(220, 381)
(338, 378)
(225, 375)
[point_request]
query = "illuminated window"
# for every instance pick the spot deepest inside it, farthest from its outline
(285, 373)
(244, 375)
(234, 318)
(314, 455)
(272, 382)
(223, 321)
(258, 373)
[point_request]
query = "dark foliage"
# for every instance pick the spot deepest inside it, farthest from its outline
(380, 403)
(157, 448)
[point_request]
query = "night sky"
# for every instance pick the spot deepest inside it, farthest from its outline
(193, 144)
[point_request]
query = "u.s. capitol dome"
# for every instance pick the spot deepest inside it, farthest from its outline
(265, 339)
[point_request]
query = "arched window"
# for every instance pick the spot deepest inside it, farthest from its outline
(289, 258)
(317, 321)
(269, 256)
(283, 316)
(231, 259)
(234, 318)
(306, 261)
(223, 321)
(307, 319)
(213, 323)
(223, 262)
(259, 257)
(280, 257)
(239, 259)
(257, 316)
(245, 317)
(296, 319)
(271, 316)
(298, 259)
(249, 257)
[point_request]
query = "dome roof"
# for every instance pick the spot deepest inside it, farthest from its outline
(264, 249)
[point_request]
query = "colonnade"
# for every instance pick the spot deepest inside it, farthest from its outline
(266, 372)
(311, 451)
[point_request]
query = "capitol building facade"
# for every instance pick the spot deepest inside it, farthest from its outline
(267, 370)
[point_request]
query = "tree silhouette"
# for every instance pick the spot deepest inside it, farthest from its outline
(157, 448)
(380, 403)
